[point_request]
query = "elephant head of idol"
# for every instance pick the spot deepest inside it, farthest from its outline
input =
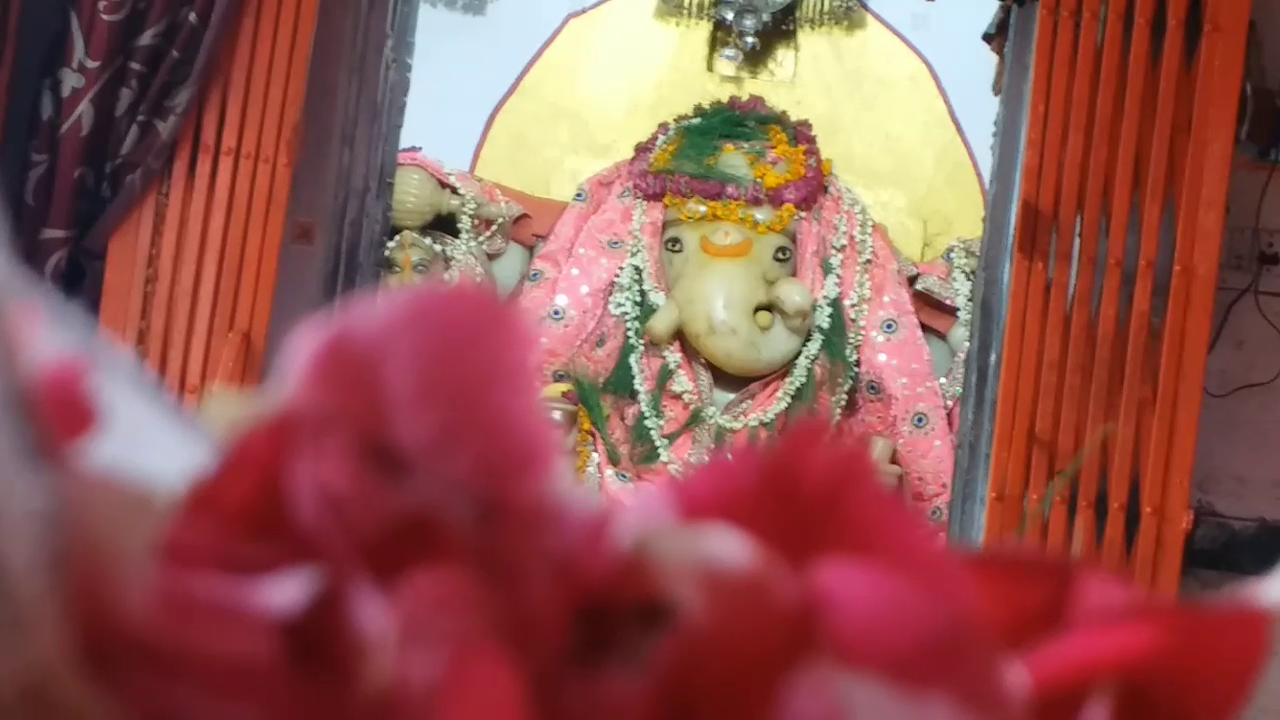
(735, 178)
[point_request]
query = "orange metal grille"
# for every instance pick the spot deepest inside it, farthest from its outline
(190, 276)
(1120, 217)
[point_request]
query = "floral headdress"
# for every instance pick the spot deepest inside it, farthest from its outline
(738, 160)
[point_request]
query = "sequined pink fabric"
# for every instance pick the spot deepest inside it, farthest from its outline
(572, 277)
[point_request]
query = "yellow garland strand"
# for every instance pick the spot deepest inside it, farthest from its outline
(788, 168)
(734, 211)
(586, 442)
(792, 161)
(661, 159)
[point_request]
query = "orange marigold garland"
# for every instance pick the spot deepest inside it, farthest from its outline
(586, 443)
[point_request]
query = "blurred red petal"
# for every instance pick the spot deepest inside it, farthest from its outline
(60, 400)
(808, 495)
(420, 436)
(874, 619)
(1193, 662)
(812, 692)
(480, 683)
(1022, 596)
(237, 520)
(824, 690)
(739, 623)
(437, 611)
(440, 377)
(211, 644)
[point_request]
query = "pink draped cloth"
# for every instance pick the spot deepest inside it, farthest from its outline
(948, 283)
(896, 394)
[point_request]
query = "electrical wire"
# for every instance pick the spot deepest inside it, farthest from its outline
(1252, 289)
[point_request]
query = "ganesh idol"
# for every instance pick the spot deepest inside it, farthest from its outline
(720, 284)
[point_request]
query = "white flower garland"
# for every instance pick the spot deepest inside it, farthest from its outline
(465, 251)
(635, 282)
(962, 260)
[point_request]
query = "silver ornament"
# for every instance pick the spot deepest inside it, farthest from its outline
(733, 55)
(748, 22)
(770, 6)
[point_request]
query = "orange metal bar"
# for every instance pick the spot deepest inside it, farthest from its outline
(235, 309)
(1082, 337)
(1003, 504)
(202, 252)
(1187, 156)
(240, 238)
(221, 264)
(257, 314)
(135, 321)
(1053, 450)
(1218, 79)
(212, 260)
(1027, 493)
(1104, 357)
(231, 363)
(172, 234)
(1136, 366)
(119, 278)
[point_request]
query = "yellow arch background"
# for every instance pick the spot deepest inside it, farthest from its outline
(615, 71)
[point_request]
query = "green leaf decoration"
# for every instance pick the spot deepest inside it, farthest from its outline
(665, 375)
(621, 380)
(698, 144)
(591, 400)
(643, 450)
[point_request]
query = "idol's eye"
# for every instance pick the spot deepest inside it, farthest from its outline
(673, 245)
(783, 254)
(390, 266)
(421, 267)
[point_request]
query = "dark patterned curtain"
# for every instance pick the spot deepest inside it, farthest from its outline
(114, 90)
